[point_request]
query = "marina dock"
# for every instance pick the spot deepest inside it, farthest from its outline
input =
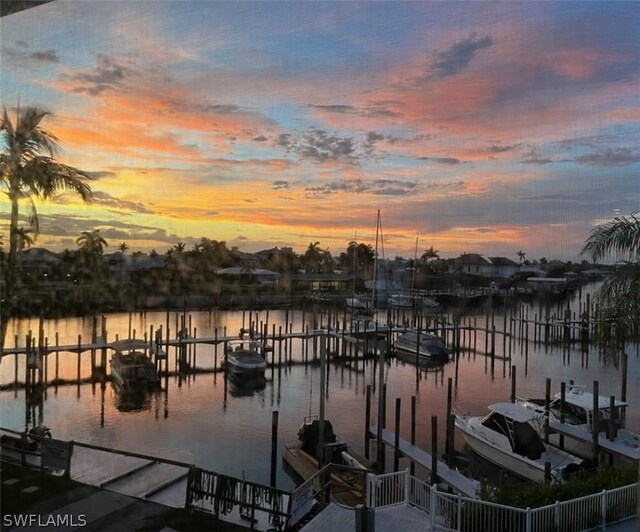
(625, 451)
(464, 485)
(163, 481)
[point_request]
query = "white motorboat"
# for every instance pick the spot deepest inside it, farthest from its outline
(578, 412)
(401, 301)
(507, 438)
(431, 347)
(244, 360)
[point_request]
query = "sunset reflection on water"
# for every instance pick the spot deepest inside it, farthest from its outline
(201, 418)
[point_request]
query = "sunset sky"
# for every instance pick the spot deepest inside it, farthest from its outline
(474, 126)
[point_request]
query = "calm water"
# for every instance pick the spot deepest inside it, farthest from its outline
(203, 419)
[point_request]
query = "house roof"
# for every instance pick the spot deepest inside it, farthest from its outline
(312, 276)
(135, 262)
(239, 270)
(482, 260)
(37, 256)
(472, 258)
(502, 261)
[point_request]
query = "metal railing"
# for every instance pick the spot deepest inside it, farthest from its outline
(458, 513)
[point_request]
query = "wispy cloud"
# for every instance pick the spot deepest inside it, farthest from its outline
(610, 157)
(25, 57)
(441, 160)
(106, 75)
(457, 58)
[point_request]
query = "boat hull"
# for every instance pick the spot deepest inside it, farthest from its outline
(495, 448)
(245, 363)
(430, 348)
(503, 460)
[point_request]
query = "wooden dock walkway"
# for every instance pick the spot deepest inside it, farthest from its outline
(616, 448)
(464, 485)
(158, 347)
(154, 479)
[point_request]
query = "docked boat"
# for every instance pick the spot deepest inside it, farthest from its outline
(363, 325)
(401, 301)
(245, 359)
(507, 438)
(302, 459)
(431, 347)
(359, 304)
(578, 412)
(133, 368)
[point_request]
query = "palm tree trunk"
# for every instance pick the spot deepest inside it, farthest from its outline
(13, 234)
(7, 308)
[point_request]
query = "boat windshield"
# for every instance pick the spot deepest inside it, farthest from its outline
(523, 438)
(573, 414)
(527, 441)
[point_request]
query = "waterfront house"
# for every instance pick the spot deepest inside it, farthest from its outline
(38, 261)
(481, 265)
(256, 275)
(317, 282)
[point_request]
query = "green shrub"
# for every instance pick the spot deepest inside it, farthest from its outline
(583, 483)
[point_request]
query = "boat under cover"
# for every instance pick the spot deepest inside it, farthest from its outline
(430, 346)
(133, 369)
(243, 360)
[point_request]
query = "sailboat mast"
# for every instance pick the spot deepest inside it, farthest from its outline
(415, 263)
(381, 388)
(355, 265)
(375, 266)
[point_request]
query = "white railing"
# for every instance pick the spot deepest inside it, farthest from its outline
(387, 490)
(419, 494)
(457, 513)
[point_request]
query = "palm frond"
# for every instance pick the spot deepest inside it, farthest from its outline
(34, 222)
(618, 305)
(6, 126)
(46, 177)
(620, 236)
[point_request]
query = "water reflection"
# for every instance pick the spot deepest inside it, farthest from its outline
(132, 398)
(245, 386)
(202, 417)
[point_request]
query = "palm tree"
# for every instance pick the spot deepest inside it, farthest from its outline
(429, 255)
(123, 247)
(91, 242)
(618, 305)
(521, 255)
(29, 170)
(327, 264)
(312, 257)
(24, 238)
(92, 246)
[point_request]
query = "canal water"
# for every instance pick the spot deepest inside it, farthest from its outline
(203, 419)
